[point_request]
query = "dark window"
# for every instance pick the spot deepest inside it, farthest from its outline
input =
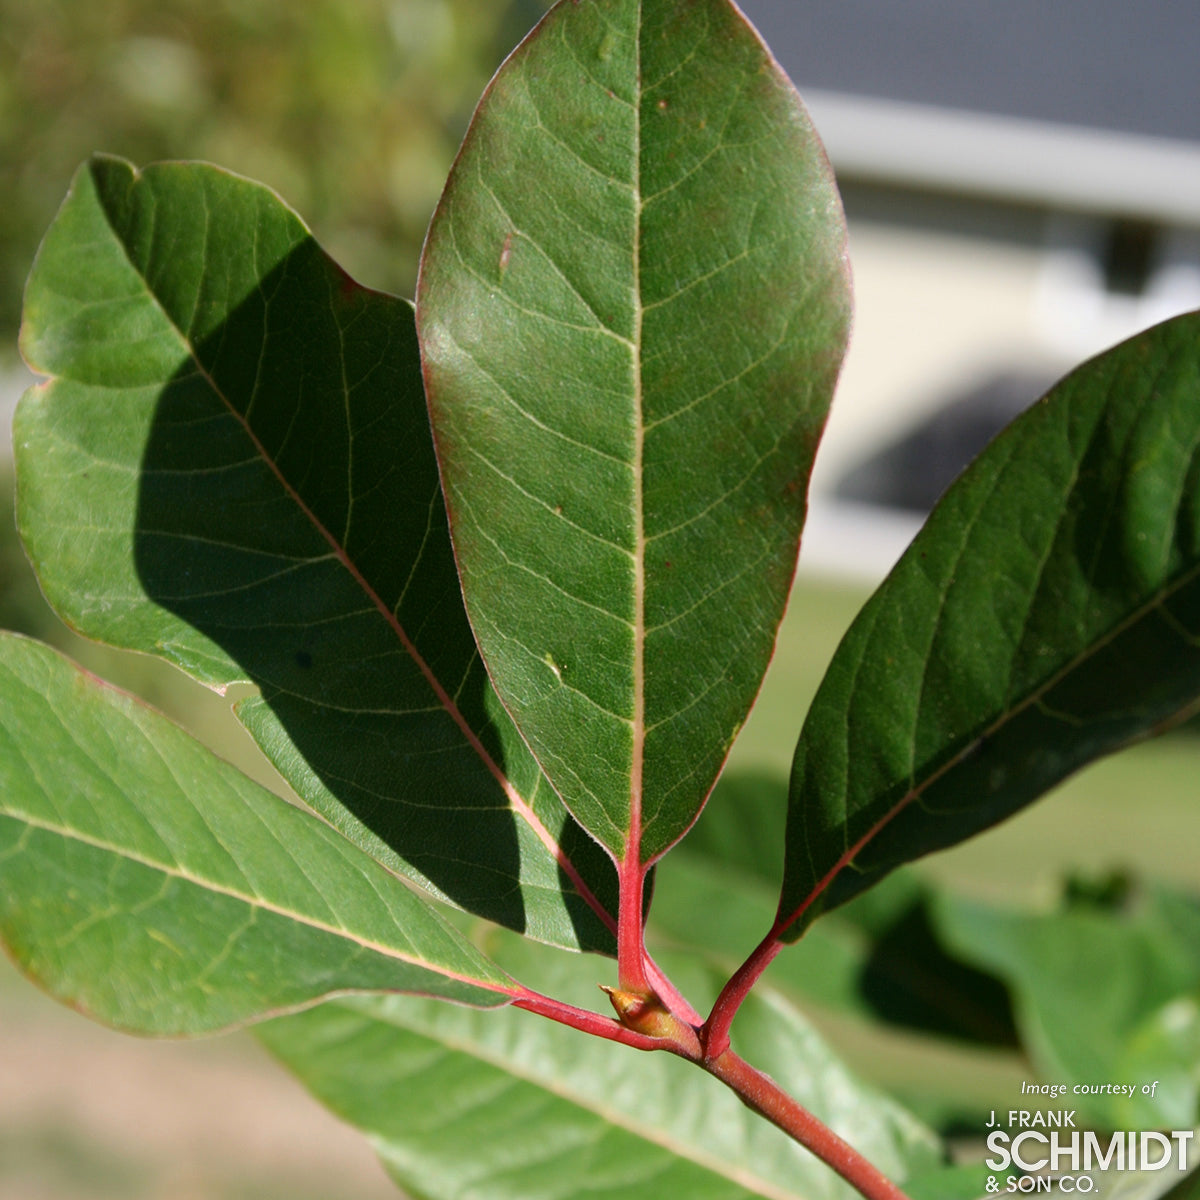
(1130, 256)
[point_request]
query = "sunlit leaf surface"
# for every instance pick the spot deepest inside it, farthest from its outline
(633, 304)
(154, 887)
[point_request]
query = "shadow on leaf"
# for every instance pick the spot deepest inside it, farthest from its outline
(289, 510)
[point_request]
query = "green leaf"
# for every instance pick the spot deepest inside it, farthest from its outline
(153, 887)
(463, 1104)
(632, 307)
(964, 1181)
(1089, 986)
(1165, 1049)
(232, 468)
(1048, 613)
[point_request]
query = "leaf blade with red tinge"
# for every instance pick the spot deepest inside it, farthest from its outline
(632, 307)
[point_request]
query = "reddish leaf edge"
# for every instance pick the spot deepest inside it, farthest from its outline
(653, 1014)
(659, 1018)
(637, 971)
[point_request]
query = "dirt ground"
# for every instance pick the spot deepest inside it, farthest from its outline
(87, 1114)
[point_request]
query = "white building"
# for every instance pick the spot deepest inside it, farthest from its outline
(1022, 180)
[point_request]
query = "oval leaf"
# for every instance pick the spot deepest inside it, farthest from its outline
(632, 306)
(232, 468)
(1048, 613)
(156, 888)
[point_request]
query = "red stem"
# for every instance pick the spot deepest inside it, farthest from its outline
(755, 1089)
(588, 1022)
(766, 1097)
(716, 1028)
(715, 1034)
(631, 945)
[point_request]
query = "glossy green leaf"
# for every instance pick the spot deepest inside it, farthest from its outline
(509, 1106)
(632, 307)
(1048, 613)
(1086, 982)
(232, 468)
(154, 887)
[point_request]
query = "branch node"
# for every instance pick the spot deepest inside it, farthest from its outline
(647, 1015)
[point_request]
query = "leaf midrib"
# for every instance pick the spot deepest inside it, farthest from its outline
(250, 900)
(633, 853)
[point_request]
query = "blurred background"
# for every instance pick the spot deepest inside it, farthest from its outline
(1023, 189)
